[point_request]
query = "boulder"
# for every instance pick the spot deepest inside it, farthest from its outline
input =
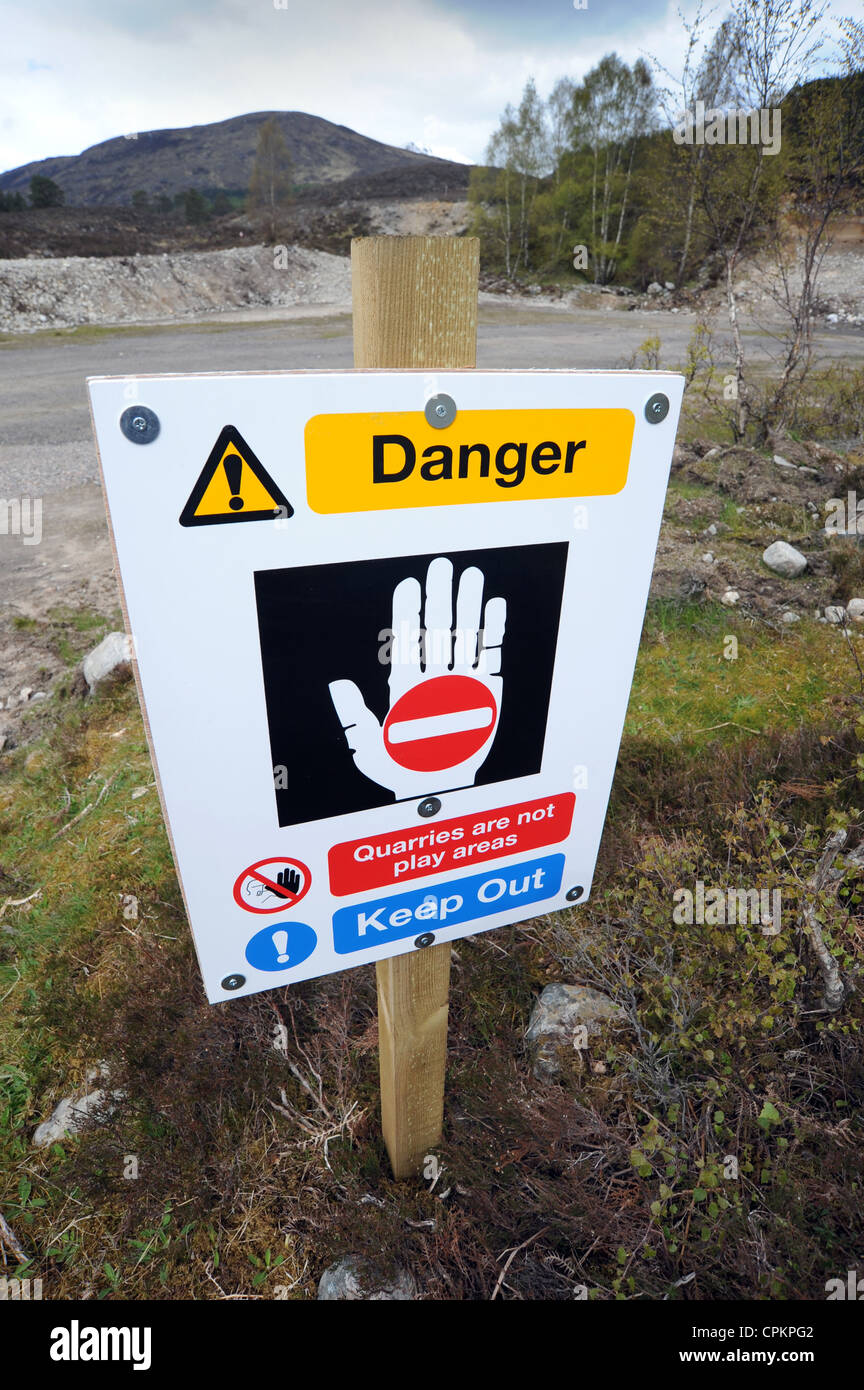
(114, 653)
(68, 1117)
(784, 559)
(353, 1278)
(560, 1011)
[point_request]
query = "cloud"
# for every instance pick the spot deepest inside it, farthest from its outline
(75, 73)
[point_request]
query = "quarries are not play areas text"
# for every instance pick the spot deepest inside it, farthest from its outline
(379, 860)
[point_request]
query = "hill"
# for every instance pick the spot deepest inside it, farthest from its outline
(220, 156)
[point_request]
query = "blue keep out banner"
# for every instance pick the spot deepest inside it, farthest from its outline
(428, 909)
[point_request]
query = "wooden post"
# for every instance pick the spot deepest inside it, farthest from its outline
(415, 305)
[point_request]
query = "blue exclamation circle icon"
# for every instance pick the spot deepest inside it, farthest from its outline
(282, 946)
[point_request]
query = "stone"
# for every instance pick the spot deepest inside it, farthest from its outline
(555, 1018)
(790, 617)
(835, 613)
(112, 654)
(352, 1278)
(784, 559)
(654, 288)
(730, 598)
(855, 609)
(711, 530)
(784, 463)
(708, 558)
(68, 1117)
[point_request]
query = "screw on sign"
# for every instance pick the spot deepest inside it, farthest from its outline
(139, 424)
(445, 693)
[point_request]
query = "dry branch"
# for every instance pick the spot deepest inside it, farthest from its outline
(834, 986)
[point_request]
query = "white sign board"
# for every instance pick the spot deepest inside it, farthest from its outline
(385, 652)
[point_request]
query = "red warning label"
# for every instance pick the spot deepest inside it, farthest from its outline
(272, 885)
(440, 723)
(381, 860)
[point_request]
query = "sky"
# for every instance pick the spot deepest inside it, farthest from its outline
(437, 73)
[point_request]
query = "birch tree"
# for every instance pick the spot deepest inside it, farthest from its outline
(517, 157)
(777, 42)
(270, 187)
(611, 110)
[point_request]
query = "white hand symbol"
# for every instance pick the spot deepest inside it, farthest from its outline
(445, 688)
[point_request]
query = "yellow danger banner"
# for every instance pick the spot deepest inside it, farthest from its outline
(368, 463)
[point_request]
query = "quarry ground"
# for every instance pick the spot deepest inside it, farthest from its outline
(46, 443)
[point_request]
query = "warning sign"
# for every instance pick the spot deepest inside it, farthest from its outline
(441, 847)
(461, 900)
(486, 456)
(410, 697)
(233, 486)
(439, 677)
(272, 885)
(281, 948)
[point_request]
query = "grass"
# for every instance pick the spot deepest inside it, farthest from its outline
(258, 1167)
(758, 683)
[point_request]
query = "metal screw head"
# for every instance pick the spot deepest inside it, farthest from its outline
(440, 411)
(234, 982)
(656, 408)
(140, 424)
(574, 894)
(425, 940)
(430, 806)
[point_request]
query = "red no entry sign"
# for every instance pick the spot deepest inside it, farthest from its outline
(440, 723)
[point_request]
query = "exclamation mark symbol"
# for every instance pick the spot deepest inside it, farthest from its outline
(280, 941)
(233, 465)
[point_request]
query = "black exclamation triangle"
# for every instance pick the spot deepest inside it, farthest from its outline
(233, 465)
